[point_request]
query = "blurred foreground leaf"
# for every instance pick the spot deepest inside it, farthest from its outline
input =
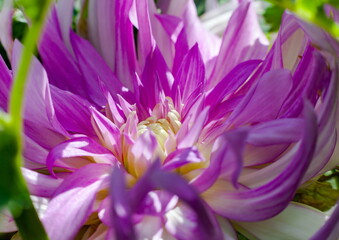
(273, 16)
(312, 11)
(201, 6)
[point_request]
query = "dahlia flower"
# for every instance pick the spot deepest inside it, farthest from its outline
(143, 125)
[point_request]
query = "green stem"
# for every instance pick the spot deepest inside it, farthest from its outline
(20, 204)
(24, 214)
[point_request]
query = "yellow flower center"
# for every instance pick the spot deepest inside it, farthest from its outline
(162, 128)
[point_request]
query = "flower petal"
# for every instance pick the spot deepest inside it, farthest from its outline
(330, 230)
(6, 26)
(94, 70)
(182, 157)
(271, 198)
(263, 102)
(7, 223)
(73, 202)
(111, 32)
(78, 147)
(63, 71)
(190, 76)
(233, 80)
(40, 184)
(72, 111)
(244, 30)
(295, 222)
(225, 160)
(5, 84)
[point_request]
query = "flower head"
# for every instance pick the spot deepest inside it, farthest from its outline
(144, 125)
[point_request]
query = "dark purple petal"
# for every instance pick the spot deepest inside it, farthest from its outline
(171, 182)
(155, 83)
(121, 209)
(59, 63)
(95, 70)
(72, 111)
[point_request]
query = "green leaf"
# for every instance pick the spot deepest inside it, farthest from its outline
(317, 194)
(273, 16)
(19, 29)
(201, 6)
(241, 237)
(311, 11)
(334, 3)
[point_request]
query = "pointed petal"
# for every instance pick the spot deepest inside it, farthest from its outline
(72, 111)
(190, 76)
(156, 82)
(145, 35)
(231, 82)
(95, 70)
(111, 32)
(38, 103)
(243, 40)
(64, 9)
(63, 71)
(193, 133)
(109, 134)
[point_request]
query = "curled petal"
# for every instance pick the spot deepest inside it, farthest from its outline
(156, 178)
(271, 198)
(79, 147)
